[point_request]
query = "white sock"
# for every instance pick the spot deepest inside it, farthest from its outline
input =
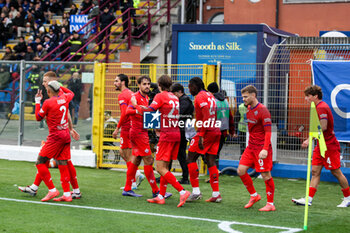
(138, 173)
(310, 199)
(182, 192)
(34, 187)
(347, 198)
(196, 190)
(66, 194)
(52, 190)
(76, 190)
(254, 194)
(271, 203)
(216, 194)
(160, 197)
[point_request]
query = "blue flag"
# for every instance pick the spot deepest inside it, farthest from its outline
(334, 79)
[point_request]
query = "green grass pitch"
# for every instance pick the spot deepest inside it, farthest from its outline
(101, 188)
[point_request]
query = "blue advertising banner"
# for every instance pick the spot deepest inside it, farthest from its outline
(77, 22)
(333, 78)
(213, 47)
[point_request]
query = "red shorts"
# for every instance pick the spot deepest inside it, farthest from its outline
(250, 158)
(331, 161)
(125, 140)
(140, 144)
(211, 144)
(167, 151)
(53, 149)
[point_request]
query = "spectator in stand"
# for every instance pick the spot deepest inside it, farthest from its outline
(105, 19)
(8, 27)
(49, 45)
(3, 35)
(53, 37)
(2, 4)
(93, 12)
(127, 4)
(18, 25)
(40, 53)
(86, 4)
(64, 35)
(25, 5)
(10, 3)
(75, 85)
(73, 9)
(35, 44)
(65, 24)
(29, 20)
(13, 12)
(5, 10)
(75, 45)
(38, 13)
(55, 28)
(29, 55)
(20, 48)
(9, 55)
(65, 15)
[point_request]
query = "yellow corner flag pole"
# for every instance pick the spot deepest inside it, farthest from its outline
(315, 131)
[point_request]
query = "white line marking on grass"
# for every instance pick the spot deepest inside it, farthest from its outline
(223, 225)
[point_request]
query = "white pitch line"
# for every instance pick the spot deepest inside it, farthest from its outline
(223, 225)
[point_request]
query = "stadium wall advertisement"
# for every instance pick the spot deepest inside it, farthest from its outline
(214, 47)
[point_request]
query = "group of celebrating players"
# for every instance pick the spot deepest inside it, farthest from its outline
(134, 142)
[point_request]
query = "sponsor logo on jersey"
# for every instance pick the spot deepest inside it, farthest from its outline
(61, 101)
(203, 104)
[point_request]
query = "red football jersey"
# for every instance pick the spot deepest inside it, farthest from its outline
(205, 107)
(169, 106)
(259, 122)
(123, 100)
(56, 111)
(137, 119)
(324, 113)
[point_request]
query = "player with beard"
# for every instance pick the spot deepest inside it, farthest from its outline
(121, 83)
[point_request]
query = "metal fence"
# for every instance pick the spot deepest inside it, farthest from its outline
(20, 81)
(106, 147)
(281, 81)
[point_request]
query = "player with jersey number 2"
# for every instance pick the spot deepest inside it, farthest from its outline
(57, 144)
(206, 142)
(169, 140)
(33, 189)
(258, 154)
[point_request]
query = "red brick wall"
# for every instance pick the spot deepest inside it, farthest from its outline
(303, 19)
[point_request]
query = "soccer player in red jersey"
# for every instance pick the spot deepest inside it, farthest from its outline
(331, 161)
(57, 144)
(33, 189)
(206, 142)
(258, 154)
(121, 83)
(169, 141)
(139, 140)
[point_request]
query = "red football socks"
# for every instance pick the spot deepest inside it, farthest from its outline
(214, 178)
(171, 179)
(130, 176)
(148, 169)
(65, 177)
(72, 174)
(312, 191)
(45, 175)
(194, 173)
(163, 186)
(346, 192)
(38, 179)
(248, 183)
(270, 189)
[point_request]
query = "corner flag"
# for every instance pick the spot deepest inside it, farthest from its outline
(315, 131)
